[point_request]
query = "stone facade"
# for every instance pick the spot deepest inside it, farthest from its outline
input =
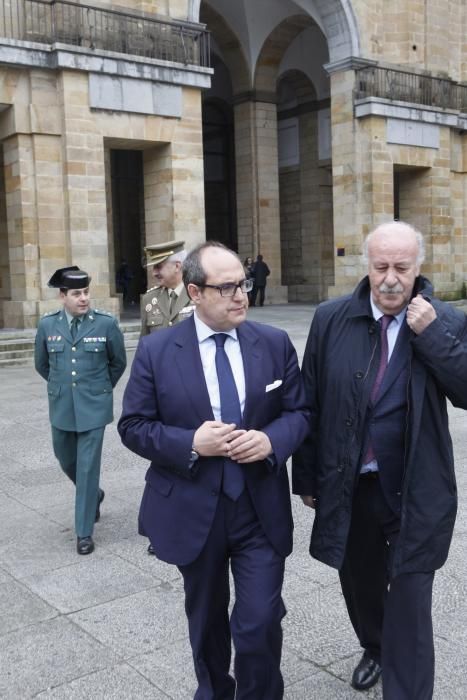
(359, 157)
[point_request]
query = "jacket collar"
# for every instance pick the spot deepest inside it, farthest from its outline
(360, 299)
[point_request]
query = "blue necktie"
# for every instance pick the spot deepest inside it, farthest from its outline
(233, 481)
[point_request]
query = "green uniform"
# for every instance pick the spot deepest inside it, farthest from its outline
(155, 309)
(81, 374)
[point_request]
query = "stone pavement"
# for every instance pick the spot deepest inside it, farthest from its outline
(112, 625)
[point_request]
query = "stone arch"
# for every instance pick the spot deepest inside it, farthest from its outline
(336, 17)
(230, 47)
(273, 50)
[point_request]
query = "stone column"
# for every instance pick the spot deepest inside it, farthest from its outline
(85, 188)
(258, 189)
(21, 214)
(348, 182)
(173, 180)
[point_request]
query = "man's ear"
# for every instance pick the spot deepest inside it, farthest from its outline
(194, 293)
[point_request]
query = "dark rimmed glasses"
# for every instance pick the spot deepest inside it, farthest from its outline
(230, 289)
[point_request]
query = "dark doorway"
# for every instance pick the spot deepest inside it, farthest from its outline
(128, 223)
(219, 173)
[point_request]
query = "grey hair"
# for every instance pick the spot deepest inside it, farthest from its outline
(193, 271)
(401, 225)
(177, 257)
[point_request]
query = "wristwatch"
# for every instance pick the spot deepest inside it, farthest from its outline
(193, 455)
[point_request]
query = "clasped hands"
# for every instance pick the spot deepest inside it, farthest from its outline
(216, 439)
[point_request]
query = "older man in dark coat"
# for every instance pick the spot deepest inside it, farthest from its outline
(378, 463)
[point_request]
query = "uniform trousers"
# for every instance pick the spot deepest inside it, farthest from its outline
(391, 617)
(255, 623)
(79, 455)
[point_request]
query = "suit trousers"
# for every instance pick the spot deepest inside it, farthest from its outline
(255, 624)
(391, 617)
(79, 455)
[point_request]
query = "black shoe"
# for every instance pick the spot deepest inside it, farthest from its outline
(85, 545)
(151, 549)
(99, 501)
(366, 673)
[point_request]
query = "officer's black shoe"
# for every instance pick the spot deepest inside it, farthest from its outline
(85, 545)
(366, 673)
(99, 501)
(151, 549)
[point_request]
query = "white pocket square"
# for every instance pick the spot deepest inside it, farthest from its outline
(274, 385)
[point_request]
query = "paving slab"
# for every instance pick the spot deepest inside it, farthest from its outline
(114, 683)
(87, 583)
(137, 623)
(21, 608)
(45, 654)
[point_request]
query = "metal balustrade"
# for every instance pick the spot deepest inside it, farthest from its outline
(94, 28)
(402, 86)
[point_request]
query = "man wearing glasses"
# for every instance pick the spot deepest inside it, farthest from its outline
(217, 405)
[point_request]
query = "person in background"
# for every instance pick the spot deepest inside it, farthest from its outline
(260, 274)
(81, 354)
(124, 276)
(168, 302)
(377, 465)
(248, 266)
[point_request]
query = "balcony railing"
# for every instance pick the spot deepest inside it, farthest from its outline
(61, 21)
(401, 86)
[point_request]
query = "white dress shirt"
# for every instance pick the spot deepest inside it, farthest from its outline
(207, 350)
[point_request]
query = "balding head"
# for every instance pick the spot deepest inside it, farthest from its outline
(394, 252)
(392, 231)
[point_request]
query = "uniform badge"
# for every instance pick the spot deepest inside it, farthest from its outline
(148, 307)
(154, 300)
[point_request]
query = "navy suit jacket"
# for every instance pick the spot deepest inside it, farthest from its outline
(165, 402)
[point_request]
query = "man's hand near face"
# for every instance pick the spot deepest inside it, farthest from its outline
(420, 314)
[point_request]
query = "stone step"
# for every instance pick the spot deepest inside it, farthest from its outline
(17, 346)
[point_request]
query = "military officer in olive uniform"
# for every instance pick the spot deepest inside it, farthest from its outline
(81, 354)
(168, 302)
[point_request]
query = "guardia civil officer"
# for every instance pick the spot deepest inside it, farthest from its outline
(81, 354)
(168, 302)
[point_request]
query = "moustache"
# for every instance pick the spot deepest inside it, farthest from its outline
(385, 289)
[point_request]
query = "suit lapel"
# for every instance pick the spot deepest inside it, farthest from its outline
(164, 301)
(188, 361)
(182, 300)
(63, 328)
(85, 326)
(255, 385)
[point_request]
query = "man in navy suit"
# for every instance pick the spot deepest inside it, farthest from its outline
(217, 490)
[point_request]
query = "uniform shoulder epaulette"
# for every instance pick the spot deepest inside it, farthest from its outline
(101, 312)
(51, 313)
(152, 289)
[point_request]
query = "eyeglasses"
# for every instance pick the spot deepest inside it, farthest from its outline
(230, 289)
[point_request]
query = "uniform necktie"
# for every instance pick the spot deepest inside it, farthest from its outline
(173, 300)
(233, 481)
(383, 363)
(74, 326)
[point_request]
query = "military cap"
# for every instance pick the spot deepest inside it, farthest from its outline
(156, 254)
(69, 278)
